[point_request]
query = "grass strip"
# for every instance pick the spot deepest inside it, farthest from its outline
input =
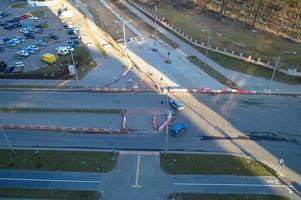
(251, 69)
(33, 109)
(212, 165)
(101, 49)
(198, 196)
(77, 161)
(19, 5)
(39, 87)
(212, 72)
(44, 25)
(38, 13)
(49, 194)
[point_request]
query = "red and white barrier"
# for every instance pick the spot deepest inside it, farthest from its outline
(211, 91)
(166, 123)
(124, 120)
(67, 129)
(154, 123)
(110, 89)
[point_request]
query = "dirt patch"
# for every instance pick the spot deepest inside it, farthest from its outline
(106, 20)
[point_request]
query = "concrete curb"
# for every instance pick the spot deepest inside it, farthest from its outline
(38, 109)
(65, 129)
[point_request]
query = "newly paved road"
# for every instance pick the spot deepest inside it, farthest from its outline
(215, 123)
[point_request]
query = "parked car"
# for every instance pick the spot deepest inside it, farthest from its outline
(3, 65)
(22, 17)
(25, 30)
(176, 104)
(54, 37)
(5, 39)
(48, 58)
(16, 25)
(9, 69)
(19, 67)
(33, 17)
(72, 37)
(23, 53)
(29, 35)
(178, 129)
(3, 24)
(20, 39)
(2, 14)
(62, 9)
(9, 27)
(66, 14)
(62, 50)
(39, 31)
(11, 43)
(41, 42)
(2, 42)
(36, 48)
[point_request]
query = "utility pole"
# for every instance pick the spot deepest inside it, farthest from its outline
(275, 68)
(76, 75)
(123, 30)
(167, 126)
(111, 141)
(208, 43)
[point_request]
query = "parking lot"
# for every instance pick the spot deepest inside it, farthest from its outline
(28, 33)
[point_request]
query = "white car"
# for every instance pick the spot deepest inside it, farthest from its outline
(36, 48)
(23, 53)
(62, 50)
(33, 17)
(19, 64)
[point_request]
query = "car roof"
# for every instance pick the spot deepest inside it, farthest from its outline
(178, 127)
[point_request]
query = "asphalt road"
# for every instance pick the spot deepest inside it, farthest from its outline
(53, 180)
(265, 127)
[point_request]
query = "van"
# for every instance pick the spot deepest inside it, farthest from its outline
(48, 58)
(66, 14)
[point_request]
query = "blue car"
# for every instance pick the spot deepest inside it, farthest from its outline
(178, 129)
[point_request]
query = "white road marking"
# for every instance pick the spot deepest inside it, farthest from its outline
(137, 173)
(182, 52)
(229, 184)
(154, 153)
(48, 180)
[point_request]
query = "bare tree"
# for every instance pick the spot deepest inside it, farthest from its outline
(222, 9)
(258, 7)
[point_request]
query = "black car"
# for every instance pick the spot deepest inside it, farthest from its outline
(3, 65)
(9, 27)
(39, 31)
(3, 24)
(29, 35)
(5, 39)
(54, 37)
(16, 25)
(9, 70)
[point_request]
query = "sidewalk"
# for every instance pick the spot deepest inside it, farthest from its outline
(138, 176)
(243, 80)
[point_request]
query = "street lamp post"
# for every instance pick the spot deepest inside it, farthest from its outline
(208, 43)
(167, 125)
(111, 141)
(276, 66)
(123, 29)
(76, 75)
